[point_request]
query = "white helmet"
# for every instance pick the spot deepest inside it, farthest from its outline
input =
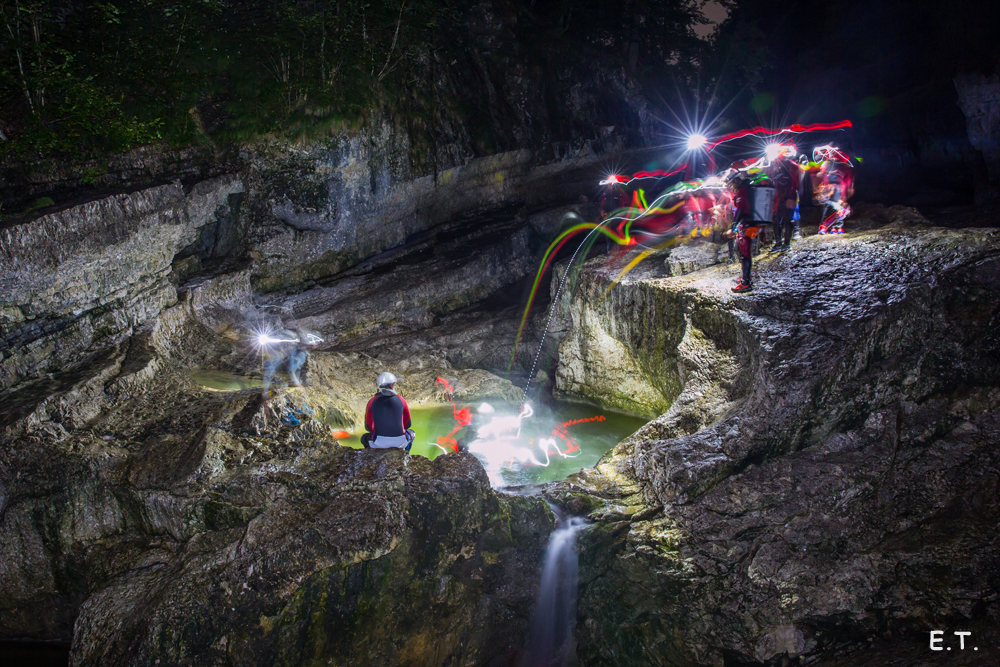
(386, 379)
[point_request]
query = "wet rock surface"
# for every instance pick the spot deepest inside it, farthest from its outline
(819, 475)
(818, 481)
(188, 525)
(336, 556)
(823, 488)
(82, 280)
(150, 518)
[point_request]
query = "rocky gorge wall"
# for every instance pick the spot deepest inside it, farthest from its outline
(319, 226)
(151, 519)
(821, 488)
(79, 283)
(817, 482)
(473, 173)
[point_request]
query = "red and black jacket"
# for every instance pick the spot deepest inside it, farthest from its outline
(387, 415)
(741, 204)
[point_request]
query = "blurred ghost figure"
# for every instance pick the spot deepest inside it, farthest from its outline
(786, 176)
(833, 184)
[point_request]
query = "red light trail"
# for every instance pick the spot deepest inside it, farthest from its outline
(794, 129)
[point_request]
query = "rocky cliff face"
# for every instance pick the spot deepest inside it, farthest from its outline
(338, 233)
(153, 520)
(81, 286)
(347, 234)
(818, 481)
(824, 484)
(128, 491)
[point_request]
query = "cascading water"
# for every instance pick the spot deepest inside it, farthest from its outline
(550, 639)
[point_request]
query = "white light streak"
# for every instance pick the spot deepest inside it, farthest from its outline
(499, 445)
(264, 340)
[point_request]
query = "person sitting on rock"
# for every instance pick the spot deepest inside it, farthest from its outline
(387, 417)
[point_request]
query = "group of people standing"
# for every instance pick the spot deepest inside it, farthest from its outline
(768, 193)
(744, 200)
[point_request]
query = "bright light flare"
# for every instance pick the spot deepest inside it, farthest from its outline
(773, 151)
(503, 427)
(499, 444)
(696, 141)
(640, 175)
(265, 339)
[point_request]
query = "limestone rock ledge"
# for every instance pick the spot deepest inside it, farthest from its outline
(824, 485)
(79, 282)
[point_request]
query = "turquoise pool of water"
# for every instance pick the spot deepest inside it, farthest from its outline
(570, 448)
(592, 438)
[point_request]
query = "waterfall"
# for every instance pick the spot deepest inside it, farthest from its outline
(550, 639)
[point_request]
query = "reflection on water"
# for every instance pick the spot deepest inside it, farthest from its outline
(591, 429)
(554, 442)
(593, 437)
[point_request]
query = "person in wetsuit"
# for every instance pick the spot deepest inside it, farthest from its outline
(612, 196)
(744, 229)
(838, 186)
(785, 175)
(387, 417)
(832, 178)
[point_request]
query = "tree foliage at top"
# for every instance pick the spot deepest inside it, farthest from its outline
(94, 76)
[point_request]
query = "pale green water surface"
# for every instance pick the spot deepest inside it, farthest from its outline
(594, 438)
